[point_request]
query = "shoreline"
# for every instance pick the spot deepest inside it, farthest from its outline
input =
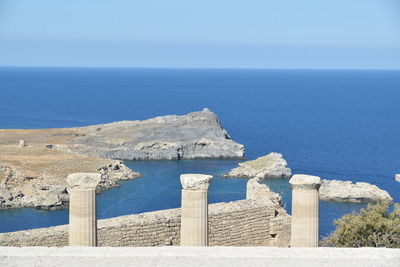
(33, 173)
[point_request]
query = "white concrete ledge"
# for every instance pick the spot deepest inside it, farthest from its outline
(198, 256)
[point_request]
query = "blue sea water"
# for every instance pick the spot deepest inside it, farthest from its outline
(337, 124)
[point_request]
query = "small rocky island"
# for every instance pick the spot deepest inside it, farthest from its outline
(272, 165)
(347, 191)
(33, 171)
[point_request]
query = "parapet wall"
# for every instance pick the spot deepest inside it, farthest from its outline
(237, 223)
(198, 256)
(257, 221)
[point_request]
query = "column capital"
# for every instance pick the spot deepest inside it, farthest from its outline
(303, 181)
(195, 182)
(83, 180)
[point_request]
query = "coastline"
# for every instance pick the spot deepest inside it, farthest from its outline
(33, 173)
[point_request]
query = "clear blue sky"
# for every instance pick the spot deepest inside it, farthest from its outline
(208, 33)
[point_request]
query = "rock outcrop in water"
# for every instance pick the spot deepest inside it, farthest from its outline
(272, 165)
(346, 191)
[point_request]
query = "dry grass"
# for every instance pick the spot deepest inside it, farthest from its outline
(38, 136)
(260, 163)
(36, 160)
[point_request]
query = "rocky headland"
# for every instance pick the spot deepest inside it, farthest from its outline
(272, 165)
(347, 191)
(197, 135)
(34, 173)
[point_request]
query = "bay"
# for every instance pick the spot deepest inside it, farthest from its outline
(337, 124)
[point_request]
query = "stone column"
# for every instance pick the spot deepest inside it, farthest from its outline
(305, 210)
(82, 209)
(194, 212)
(21, 143)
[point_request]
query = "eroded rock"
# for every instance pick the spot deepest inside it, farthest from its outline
(272, 165)
(347, 191)
(48, 192)
(195, 181)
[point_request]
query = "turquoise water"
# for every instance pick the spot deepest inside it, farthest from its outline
(335, 124)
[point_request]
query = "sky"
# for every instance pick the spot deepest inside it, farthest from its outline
(311, 34)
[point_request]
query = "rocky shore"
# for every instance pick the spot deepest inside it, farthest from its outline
(33, 172)
(33, 177)
(347, 191)
(272, 165)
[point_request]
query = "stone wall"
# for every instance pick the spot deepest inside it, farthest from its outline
(256, 221)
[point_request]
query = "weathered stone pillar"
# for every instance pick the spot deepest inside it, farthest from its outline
(194, 212)
(305, 210)
(21, 143)
(82, 209)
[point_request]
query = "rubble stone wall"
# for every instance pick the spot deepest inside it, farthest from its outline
(238, 223)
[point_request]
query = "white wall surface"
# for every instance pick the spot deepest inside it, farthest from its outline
(197, 256)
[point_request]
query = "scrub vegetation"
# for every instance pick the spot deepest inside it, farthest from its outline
(376, 226)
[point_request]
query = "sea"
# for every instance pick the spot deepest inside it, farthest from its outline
(336, 124)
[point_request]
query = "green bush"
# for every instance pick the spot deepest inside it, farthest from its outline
(372, 227)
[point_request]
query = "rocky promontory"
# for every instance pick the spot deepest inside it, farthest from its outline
(272, 165)
(197, 135)
(33, 170)
(347, 191)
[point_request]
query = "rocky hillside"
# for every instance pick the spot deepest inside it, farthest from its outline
(196, 135)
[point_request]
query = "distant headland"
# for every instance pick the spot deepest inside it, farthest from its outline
(35, 163)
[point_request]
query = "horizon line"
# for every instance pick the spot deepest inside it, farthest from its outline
(203, 68)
